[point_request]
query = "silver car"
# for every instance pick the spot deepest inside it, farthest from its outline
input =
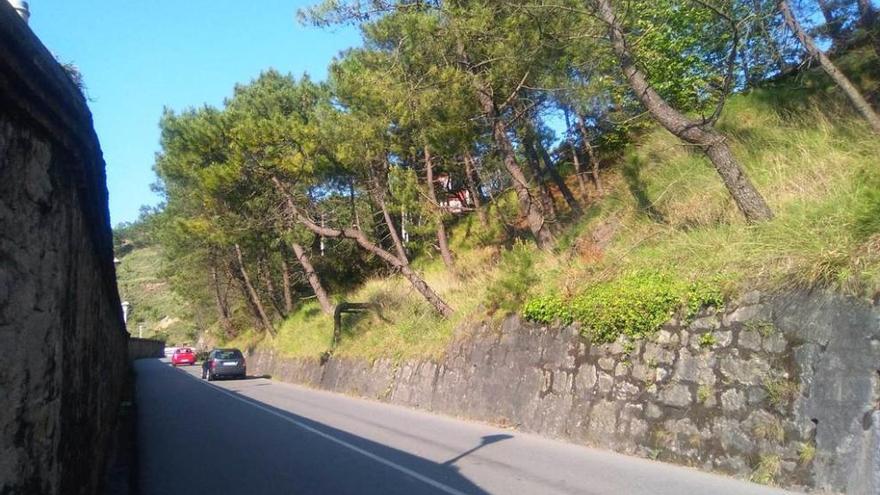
(223, 363)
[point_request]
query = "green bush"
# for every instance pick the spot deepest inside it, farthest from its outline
(635, 305)
(702, 294)
(548, 309)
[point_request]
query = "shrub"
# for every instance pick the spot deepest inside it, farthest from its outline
(635, 305)
(548, 309)
(704, 293)
(707, 340)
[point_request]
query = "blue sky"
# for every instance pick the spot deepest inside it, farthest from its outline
(139, 56)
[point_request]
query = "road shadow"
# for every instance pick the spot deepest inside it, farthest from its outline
(236, 444)
(486, 440)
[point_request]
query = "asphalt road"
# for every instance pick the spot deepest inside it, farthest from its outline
(258, 436)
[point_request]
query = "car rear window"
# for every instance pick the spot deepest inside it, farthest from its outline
(228, 355)
(183, 351)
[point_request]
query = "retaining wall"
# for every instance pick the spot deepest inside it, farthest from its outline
(61, 328)
(145, 348)
(778, 389)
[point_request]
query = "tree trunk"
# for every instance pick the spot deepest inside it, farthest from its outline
(744, 57)
(354, 213)
(270, 287)
(848, 88)
(285, 285)
(528, 208)
(554, 174)
(358, 236)
(389, 222)
(312, 277)
(222, 305)
(252, 293)
(591, 154)
(235, 274)
(547, 202)
(442, 240)
(578, 171)
(747, 198)
(469, 171)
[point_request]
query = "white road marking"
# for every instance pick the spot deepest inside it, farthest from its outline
(393, 465)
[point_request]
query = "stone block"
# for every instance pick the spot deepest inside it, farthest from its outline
(742, 314)
(747, 371)
(604, 383)
(676, 395)
(732, 400)
(657, 355)
(660, 374)
(626, 390)
(722, 339)
(642, 372)
(755, 395)
(603, 421)
(750, 298)
(750, 340)
(731, 436)
(704, 323)
(774, 343)
(693, 368)
(666, 337)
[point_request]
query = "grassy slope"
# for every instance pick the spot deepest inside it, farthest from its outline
(162, 312)
(665, 208)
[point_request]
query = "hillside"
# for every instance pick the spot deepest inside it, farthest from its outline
(664, 228)
(155, 309)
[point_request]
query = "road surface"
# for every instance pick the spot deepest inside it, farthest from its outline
(258, 436)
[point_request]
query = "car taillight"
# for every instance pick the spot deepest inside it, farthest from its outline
(243, 363)
(213, 364)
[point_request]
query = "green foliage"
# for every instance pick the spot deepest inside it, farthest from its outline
(516, 278)
(703, 294)
(635, 305)
(548, 309)
(343, 147)
(156, 308)
(682, 45)
(707, 340)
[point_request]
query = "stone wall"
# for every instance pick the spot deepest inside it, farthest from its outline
(61, 327)
(781, 390)
(145, 348)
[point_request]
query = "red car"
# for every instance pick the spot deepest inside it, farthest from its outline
(184, 355)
